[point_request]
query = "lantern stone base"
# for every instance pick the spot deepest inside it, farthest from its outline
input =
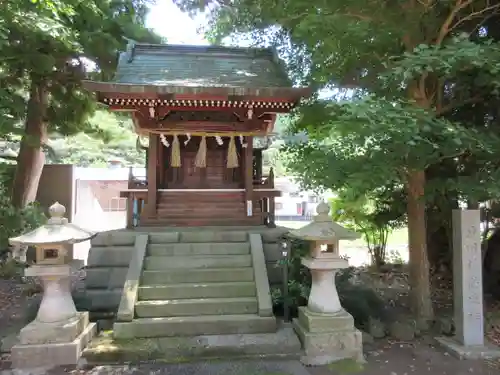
(53, 344)
(327, 338)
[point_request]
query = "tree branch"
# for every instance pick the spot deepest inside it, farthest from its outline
(446, 26)
(493, 8)
(427, 4)
(444, 157)
(452, 106)
(361, 17)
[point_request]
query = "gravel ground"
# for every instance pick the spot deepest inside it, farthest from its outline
(13, 305)
(384, 358)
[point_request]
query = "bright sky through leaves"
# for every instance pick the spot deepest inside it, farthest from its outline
(168, 21)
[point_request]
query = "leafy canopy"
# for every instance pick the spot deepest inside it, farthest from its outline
(54, 45)
(405, 83)
(85, 151)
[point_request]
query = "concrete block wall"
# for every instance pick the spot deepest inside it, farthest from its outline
(107, 266)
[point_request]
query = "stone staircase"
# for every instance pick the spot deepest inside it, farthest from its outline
(201, 283)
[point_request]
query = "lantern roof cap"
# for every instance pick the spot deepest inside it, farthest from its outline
(57, 230)
(323, 228)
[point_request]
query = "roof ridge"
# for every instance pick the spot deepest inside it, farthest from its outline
(210, 49)
(201, 46)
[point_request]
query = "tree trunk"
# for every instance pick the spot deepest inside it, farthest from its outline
(31, 158)
(438, 218)
(417, 242)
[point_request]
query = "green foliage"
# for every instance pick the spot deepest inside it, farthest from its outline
(14, 221)
(10, 269)
(444, 61)
(369, 217)
(47, 49)
(118, 143)
(273, 157)
(17, 221)
(50, 46)
(458, 56)
(368, 143)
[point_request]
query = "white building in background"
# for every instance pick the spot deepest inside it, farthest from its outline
(98, 204)
(295, 203)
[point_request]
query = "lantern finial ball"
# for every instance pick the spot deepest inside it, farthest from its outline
(57, 210)
(323, 209)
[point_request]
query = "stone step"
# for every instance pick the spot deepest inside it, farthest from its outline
(194, 325)
(155, 263)
(118, 256)
(163, 237)
(281, 344)
(198, 275)
(194, 208)
(206, 290)
(214, 236)
(200, 248)
(195, 307)
(114, 238)
(182, 222)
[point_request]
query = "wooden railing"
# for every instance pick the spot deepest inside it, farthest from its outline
(136, 199)
(265, 190)
(136, 182)
(137, 194)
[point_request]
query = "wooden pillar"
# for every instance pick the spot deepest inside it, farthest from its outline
(265, 210)
(162, 153)
(130, 178)
(130, 210)
(248, 165)
(271, 206)
(258, 165)
(152, 174)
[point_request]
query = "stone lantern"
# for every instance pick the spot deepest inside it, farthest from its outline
(325, 329)
(59, 333)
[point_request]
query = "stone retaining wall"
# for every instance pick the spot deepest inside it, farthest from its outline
(107, 266)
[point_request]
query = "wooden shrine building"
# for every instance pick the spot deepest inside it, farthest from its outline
(206, 111)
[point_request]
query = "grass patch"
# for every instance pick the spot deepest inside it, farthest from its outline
(397, 237)
(346, 366)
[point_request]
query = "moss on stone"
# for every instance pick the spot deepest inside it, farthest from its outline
(105, 348)
(174, 360)
(346, 366)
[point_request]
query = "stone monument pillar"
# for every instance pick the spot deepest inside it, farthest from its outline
(59, 333)
(469, 341)
(325, 329)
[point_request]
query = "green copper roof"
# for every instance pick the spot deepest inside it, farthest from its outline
(200, 66)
